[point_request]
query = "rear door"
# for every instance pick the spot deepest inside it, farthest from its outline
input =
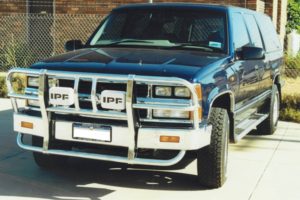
(274, 54)
(246, 69)
(261, 66)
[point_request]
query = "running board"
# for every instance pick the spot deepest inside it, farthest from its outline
(247, 125)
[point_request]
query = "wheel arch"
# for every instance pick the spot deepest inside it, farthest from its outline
(225, 100)
(277, 82)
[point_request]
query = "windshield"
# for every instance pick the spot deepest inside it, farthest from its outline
(198, 29)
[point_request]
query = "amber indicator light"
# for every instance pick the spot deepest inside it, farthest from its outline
(173, 139)
(26, 125)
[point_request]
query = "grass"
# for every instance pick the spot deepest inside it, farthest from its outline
(292, 86)
(290, 107)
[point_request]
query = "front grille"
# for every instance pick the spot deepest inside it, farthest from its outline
(88, 87)
(85, 87)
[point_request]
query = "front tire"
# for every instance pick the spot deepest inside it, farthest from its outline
(212, 159)
(45, 161)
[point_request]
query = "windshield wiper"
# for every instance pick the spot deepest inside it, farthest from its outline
(196, 45)
(126, 41)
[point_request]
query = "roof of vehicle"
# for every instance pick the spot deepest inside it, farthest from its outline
(216, 7)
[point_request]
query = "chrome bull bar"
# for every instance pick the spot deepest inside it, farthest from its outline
(129, 116)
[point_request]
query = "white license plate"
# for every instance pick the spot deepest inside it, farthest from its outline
(92, 132)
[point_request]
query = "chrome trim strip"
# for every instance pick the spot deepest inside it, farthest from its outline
(23, 96)
(173, 121)
(76, 99)
(275, 76)
(130, 117)
(43, 83)
(252, 102)
(238, 137)
(163, 107)
(101, 114)
(31, 91)
(232, 101)
(177, 102)
(93, 94)
(94, 156)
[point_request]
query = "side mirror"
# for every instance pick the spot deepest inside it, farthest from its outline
(252, 53)
(72, 45)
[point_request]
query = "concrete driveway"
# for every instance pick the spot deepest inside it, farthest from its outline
(260, 167)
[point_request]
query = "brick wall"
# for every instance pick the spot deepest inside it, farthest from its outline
(100, 7)
(282, 19)
(104, 7)
(12, 6)
(90, 6)
(274, 8)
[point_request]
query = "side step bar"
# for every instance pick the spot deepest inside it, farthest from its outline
(247, 125)
(94, 156)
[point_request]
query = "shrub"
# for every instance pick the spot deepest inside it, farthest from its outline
(290, 108)
(3, 88)
(293, 16)
(18, 82)
(15, 54)
(292, 66)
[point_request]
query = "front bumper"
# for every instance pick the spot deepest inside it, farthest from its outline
(148, 138)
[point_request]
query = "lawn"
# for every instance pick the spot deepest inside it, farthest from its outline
(291, 87)
(3, 74)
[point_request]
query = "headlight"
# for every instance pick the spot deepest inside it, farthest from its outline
(182, 92)
(163, 91)
(171, 114)
(33, 82)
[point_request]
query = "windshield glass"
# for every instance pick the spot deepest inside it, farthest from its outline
(203, 30)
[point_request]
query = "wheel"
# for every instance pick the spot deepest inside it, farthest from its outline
(212, 159)
(269, 125)
(48, 161)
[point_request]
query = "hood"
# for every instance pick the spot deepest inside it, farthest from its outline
(153, 62)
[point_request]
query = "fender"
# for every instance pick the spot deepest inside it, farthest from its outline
(213, 96)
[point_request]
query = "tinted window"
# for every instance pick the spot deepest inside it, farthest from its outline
(167, 27)
(253, 31)
(240, 34)
(269, 34)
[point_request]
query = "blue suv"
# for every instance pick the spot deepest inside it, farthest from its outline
(154, 84)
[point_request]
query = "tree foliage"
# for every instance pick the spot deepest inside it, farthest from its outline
(293, 16)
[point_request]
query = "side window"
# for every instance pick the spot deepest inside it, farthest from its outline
(253, 31)
(240, 34)
(269, 34)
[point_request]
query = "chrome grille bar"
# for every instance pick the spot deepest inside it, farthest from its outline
(76, 99)
(130, 117)
(43, 83)
(93, 94)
